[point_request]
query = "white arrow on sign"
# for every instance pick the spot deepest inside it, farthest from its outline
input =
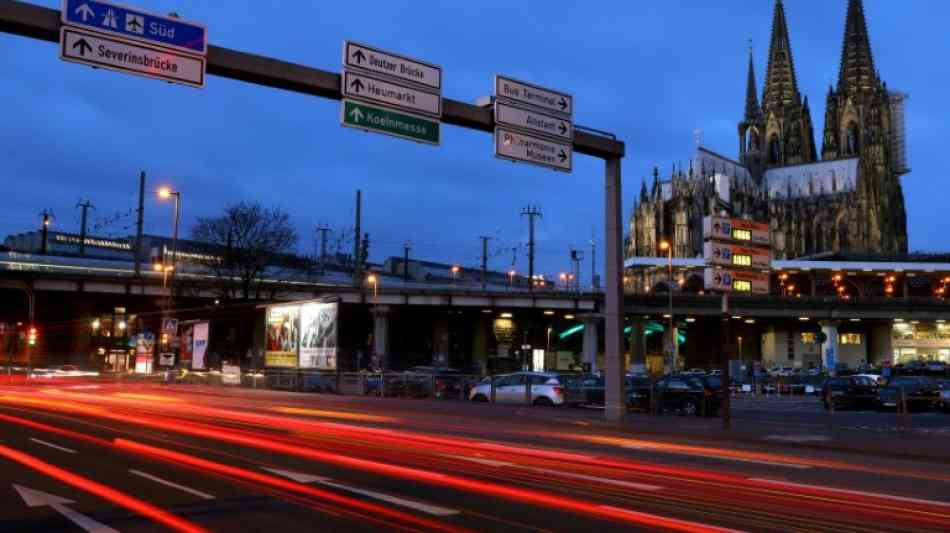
(85, 12)
(38, 498)
(357, 114)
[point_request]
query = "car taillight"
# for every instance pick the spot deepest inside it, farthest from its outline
(558, 390)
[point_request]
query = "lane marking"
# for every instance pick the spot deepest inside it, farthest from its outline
(799, 438)
(849, 491)
(38, 498)
(156, 479)
(51, 445)
(719, 457)
(609, 481)
(302, 478)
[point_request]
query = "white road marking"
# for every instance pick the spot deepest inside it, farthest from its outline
(799, 438)
(848, 491)
(51, 445)
(38, 498)
(156, 479)
(719, 457)
(609, 481)
(395, 500)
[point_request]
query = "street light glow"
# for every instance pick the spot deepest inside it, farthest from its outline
(664, 245)
(165, 193)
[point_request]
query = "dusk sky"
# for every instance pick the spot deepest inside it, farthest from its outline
(650, 72)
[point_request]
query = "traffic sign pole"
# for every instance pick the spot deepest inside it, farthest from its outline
(44, 23)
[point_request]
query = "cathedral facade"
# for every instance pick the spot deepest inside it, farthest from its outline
(844, 199)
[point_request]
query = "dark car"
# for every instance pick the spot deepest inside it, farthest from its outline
(849, 391)
(945, 395)
(686, 394)
(918, 391)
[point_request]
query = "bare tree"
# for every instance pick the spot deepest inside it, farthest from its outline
(243, 243)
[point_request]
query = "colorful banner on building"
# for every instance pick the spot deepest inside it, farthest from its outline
(318, 335)
(282, 336)
(199, 345)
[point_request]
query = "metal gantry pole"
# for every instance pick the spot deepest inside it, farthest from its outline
(615, 401)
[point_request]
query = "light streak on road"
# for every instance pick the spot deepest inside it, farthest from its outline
(102, 491)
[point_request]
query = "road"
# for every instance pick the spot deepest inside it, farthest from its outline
(139, 457)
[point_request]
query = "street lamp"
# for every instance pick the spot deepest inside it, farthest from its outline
(511, 278)
(373, 280)
(455, 270)
(666, 247)
(165, 193)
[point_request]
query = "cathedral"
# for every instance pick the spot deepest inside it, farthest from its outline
(843, 200)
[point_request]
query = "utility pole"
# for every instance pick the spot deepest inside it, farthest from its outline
(323, 229)
(357, 266)
(44, 245)
(82, 228)
(406, 246)
(593, 265)
(138, 225)
(531, 212)
(576, 258)
(484, 259)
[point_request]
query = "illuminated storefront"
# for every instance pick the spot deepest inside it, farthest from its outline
(920, 341)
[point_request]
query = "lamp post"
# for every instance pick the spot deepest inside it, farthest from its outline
(511, 278)
(375, 282)
(665, 246)
(165, 193)
(455, 272)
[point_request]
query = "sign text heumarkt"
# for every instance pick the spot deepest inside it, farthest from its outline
(383, 120)
(389, 93)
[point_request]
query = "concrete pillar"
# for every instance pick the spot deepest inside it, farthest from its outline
(671, 348)
(480, 342)
(381, 335)
(829, 355)
(880, 348)
(591, 340)
(638, 345)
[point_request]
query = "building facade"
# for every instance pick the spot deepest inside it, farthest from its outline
(844, 199)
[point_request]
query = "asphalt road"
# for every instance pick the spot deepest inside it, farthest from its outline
(136, 457)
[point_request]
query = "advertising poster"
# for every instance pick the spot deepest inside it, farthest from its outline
(318, 335)
(282, 336)
(187, 345)
(230, 374)
(199, 345)
(144, 352)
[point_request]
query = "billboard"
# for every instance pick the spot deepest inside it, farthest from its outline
(282, 336)
(318, 335)
(199, 336)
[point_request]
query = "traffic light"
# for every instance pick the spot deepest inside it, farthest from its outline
(31, 337)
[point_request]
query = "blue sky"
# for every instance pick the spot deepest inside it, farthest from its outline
(651, 72)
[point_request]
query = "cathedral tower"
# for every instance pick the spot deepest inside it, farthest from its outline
(788, 135)
(858, 123)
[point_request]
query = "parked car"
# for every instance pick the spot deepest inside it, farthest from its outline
(688, 395)
(547, 389)
(849, 391)
(447, 381)
(920, 393)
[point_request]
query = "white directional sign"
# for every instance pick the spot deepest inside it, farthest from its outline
(539, 97)
(557, 127)
(368, 88)
(515, 146)
(117, 54)
(397, 66)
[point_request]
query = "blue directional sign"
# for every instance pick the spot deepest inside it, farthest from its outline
(133, 23)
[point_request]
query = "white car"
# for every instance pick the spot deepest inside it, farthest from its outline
(547, 389)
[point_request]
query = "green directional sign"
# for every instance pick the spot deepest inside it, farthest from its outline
(383, 120)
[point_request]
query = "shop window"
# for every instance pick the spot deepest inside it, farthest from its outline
(808, 337)
(850, 338)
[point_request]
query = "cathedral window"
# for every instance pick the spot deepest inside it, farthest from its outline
(851, 140)
(775, 150)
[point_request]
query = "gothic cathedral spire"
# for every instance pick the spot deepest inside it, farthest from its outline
(752, 110)
(781, 87)
(857, 63)
(788, 138)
